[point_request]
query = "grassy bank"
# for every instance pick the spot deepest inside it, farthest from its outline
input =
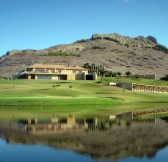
(31, 98)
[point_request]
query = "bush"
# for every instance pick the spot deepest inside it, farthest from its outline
(119, 73)
(70, 86)
(128, 73)
(97, 47)
(81, 41)
(164, 78)
(61, 54)
(161, 48)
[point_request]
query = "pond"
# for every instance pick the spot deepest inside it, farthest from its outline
(37, 153)
(41, 153)
(124, 142)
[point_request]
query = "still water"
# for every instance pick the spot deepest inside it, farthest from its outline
(40, 153)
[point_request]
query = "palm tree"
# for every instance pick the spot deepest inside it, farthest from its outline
(102, 74)
(110, 73)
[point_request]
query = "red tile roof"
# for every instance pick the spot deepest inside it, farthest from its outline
(60, 67)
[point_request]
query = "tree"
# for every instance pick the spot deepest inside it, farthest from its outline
(114, 74)
(110, 73)
(119, 73)
(102, 74)
(128, 73)
(164, 78)
(87, 66)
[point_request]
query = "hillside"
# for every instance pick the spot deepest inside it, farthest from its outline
(117, 53)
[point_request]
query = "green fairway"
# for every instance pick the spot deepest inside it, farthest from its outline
(42, 99)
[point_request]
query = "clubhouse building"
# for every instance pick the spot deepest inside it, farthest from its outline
(56, 72)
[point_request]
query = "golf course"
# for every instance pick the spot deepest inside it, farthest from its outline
(21, 99)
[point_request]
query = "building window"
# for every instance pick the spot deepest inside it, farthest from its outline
(46, 77)
(41, 71)
(74, 72)
(52, 71)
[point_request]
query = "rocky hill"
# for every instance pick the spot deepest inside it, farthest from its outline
(118, 53)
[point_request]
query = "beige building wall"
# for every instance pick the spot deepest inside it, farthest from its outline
(63, 71)
(54, 77)
(70, 77)
(86, 72)
(72, 73)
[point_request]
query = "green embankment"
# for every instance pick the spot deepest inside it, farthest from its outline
(43, 99)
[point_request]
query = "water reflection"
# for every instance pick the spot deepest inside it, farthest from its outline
(37, 153)
(122, 142)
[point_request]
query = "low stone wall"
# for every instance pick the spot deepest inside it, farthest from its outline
(146, 112)
(125, 85)
(126, 115)
(150, 88)
(143, 87)
(132, 114)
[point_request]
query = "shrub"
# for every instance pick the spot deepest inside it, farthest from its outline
(161, 48)
(119, 73)
(53, 86)
(114, 74)
(8, 52)
(70, 86)
(81, 41)
(128, 73)
(164, 78)
(60, 53)
(97, 47)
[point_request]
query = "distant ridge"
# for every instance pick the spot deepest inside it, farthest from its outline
(140, 55)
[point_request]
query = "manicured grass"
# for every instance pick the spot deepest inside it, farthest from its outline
(39, 98)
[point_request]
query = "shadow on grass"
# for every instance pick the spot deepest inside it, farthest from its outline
(114, 98)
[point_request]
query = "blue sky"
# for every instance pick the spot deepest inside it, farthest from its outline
(38, 24)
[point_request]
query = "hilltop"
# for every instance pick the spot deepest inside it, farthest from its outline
(140, 55)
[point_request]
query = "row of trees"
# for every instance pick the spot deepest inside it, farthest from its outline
(100, 70)
(109, 73)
